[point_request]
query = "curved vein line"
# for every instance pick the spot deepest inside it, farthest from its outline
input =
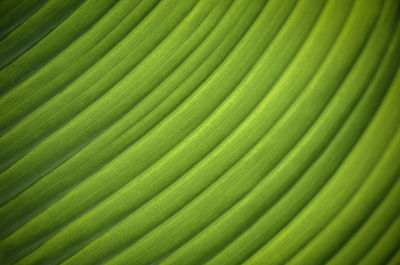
(4, 32)
(11, 55)
(28, 76)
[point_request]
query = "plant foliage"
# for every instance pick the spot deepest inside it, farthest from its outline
(199, 132)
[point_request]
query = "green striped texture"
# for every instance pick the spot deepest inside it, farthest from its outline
(200, 132)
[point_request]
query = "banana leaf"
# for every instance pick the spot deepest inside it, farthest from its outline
(199, 132)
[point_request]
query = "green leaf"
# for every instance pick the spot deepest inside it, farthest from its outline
(199, 132)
